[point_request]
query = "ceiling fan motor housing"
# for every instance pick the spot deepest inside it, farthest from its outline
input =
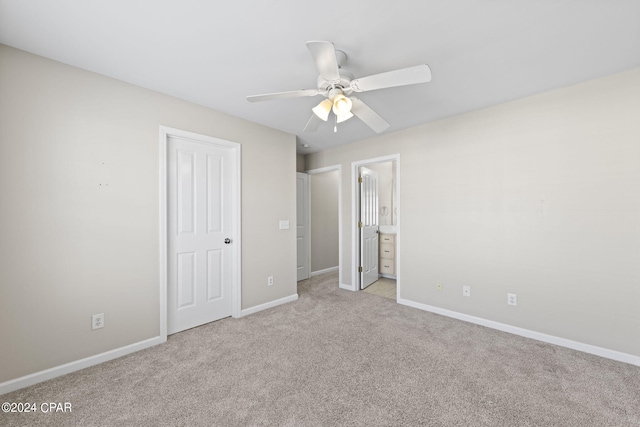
(343, 84)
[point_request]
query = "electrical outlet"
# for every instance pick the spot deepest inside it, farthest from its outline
(439, 286)
(97, 321)
(511, 299)
(466, 291)
(270, 281)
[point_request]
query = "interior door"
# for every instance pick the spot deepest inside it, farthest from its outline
(368, 226)
(302, 225)
(200, 233)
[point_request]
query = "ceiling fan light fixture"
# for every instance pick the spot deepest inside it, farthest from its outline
(342, 105)
(323, 109)
(343, 117)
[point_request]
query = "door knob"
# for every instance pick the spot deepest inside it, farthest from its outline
(227, 241)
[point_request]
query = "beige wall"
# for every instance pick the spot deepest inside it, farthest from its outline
(324, 220)
(79, 217)
(537, 197)
(300, 166)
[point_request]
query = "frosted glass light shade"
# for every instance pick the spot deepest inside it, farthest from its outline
(322, 110)
(341, 105)
(342, 117)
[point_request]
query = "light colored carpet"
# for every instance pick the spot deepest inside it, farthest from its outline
(336, 357)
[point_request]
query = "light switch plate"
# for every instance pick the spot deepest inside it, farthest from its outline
(284, 224)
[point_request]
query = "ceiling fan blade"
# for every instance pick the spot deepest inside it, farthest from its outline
(401, 77)
(368, 116)
(324, 53)
(283, 95)
(312, 124)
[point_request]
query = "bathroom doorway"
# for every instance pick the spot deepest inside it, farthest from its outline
(388, 227)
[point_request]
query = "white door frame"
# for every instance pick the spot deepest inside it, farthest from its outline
(323, 170)
(355, 215)
(165, 134)
(307, 207)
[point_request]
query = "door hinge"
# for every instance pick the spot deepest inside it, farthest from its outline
(360, 179)
(359, 269)
(360, 224)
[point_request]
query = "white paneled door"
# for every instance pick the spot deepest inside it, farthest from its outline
(368, 225)
(200, 232)
(302, 225)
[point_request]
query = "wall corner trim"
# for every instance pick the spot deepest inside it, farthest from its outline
(550, 339)
(270, 304)
(67, 368)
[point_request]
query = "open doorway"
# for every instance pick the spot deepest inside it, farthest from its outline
(376, 237)
(325, 211)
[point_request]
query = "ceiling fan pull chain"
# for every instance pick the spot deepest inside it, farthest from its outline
(335, 127)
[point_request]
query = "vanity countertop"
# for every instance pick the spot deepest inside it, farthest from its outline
(387, 229)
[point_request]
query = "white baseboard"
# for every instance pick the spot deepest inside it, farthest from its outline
(67, 368)
(326, 270)
(347, 287)
(270, 304)
(47, 374)
(563, 342)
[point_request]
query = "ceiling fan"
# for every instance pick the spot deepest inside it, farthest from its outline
(337, 84)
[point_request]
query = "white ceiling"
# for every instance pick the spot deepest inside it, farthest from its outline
(215, 53)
